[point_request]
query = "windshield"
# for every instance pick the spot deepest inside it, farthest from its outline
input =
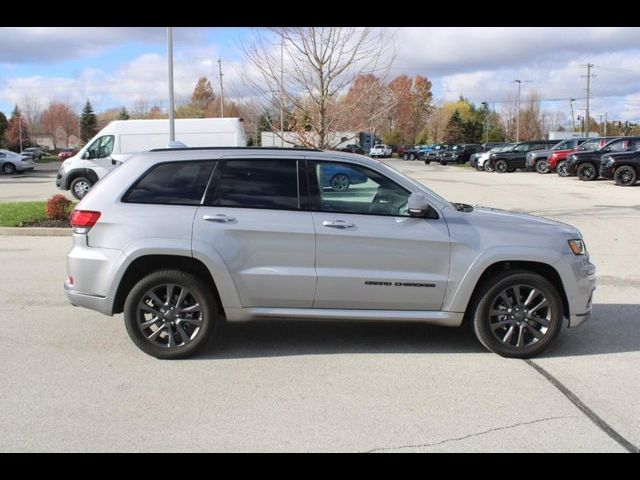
(566, 144)
(590, 144)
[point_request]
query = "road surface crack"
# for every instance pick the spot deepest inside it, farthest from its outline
(457, 439)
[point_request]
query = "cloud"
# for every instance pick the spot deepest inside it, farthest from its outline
(53, 44)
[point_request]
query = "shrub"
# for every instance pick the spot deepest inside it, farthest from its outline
(58, 207)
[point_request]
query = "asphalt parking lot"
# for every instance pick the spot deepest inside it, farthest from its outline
(73, 381)
(38, 184)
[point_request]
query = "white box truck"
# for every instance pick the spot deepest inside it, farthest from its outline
(122, 138)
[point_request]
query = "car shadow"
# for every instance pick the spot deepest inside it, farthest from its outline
(613, 328)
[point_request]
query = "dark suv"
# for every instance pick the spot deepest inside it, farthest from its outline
(433, 154)
(510, 160)
(352, 148)
(459, 153)
(586, 165)
(623, 167)
(538, 159)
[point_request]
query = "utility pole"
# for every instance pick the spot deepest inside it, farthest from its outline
(586, 117)
(605, 124)
(281, 91)
(172, 129)
(20, 129)
(221, 89)
(519, 82)
(573, 120)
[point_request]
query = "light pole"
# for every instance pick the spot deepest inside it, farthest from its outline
(519, 82)
(282, 91)
(486, 121)
(573, 120)
(172, 130)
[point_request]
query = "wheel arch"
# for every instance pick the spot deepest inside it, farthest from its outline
(78, 172)
(143, 265)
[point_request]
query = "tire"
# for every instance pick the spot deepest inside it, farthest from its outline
(80, 186)
(9, 168)
(625, 176)
(180, 328)
(561, 169)
(340, 182)
(488, 167)
(405, 157)
(546, 320)
(427, 161)
(412, 156)
(542, 167)
(443, 162)
(587, 172)
(501, 166)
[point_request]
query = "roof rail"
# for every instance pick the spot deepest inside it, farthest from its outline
(288, 149)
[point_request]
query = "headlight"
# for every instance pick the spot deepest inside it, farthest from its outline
(577, 247)
(571, 157)
(607, 160)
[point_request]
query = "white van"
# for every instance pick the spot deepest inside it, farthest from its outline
(122, 138)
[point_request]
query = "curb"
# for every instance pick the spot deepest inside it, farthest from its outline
(36, 231)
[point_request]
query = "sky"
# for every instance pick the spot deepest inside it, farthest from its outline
(114, 67)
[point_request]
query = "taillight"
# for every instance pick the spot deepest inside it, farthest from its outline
(83, 220)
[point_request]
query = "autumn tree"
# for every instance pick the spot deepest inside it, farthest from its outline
(366, 105)
(59, 122)
(320, 63)
(17, 131)
(202, 97)
(88, 123)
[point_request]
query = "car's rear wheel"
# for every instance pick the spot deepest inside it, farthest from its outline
(427, 161)
(501, 166)
(405, 157)
(517, 314)
(412, 156)
(80, 186)
(625, 176)
(339, 182)
(9, 168)
(562, 169)
(587, 172)
(542, 167)
(170, 314)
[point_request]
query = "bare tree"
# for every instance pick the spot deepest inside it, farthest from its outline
(31, 111)
(306, 70)
(60, 122)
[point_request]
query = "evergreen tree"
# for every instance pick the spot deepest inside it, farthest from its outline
(16, 130)
(455, 131)
(88, 123)
(123, 115)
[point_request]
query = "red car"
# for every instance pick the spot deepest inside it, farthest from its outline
(67, 152)
(557, 160)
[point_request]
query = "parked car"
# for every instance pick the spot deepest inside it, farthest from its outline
(459, 153)
(482, 163)
(623, 168)
(485, 147)
(510, 160)
(67, 153)
(340, 177)
(410, 153)
(432, 154)
(34, 152)
(558, 159)
(180, 239)
(352, 148)
(538, 160)
(380, 150)
(11, 162)
(586, 165)
(10, 159)
(402, 149)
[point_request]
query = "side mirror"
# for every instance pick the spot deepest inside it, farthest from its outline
(419, 207)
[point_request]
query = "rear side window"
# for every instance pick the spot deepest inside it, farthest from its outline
(172, 183)
(255, 183)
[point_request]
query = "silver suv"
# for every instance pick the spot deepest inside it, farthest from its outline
(181, 239)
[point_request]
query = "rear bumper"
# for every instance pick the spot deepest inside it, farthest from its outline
(100, 304)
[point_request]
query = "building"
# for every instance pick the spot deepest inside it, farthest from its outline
(292, 139)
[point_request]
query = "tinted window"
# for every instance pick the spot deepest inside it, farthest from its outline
(176, 183)
(618, 146)
(349, 188)
(256, 183)
(590, 145)
(524, 147)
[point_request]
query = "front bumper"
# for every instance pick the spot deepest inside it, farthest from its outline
(578, 276)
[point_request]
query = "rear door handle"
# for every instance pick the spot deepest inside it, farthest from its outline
(219, 218)
(338, 224)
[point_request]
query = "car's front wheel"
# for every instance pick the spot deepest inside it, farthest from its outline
(625, 176)
(587, 172)
(501, 166)
(170, 314)
(412, 156)
(542, 166)
(562, 169)
(517, 314)
(488, 166)
(405, 157)
(80, 186)
(339, 183)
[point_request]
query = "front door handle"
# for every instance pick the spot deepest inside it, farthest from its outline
(219, 218)
(338, 224)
